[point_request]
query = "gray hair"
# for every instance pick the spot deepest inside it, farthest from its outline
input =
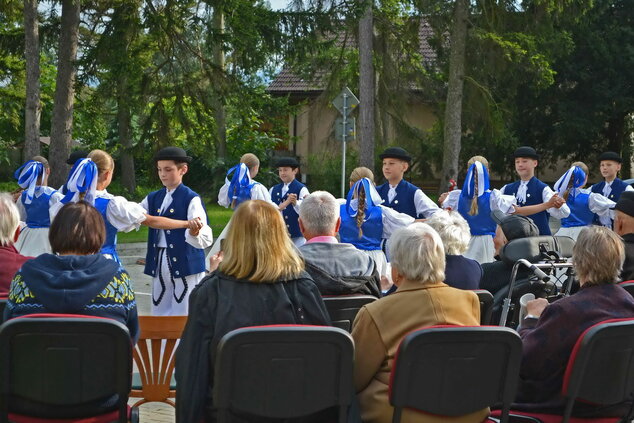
(416, 252)
(319, 212)
(9, 219)
(598, 256)
(453, 230)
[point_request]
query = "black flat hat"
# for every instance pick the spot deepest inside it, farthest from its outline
(76, 155)
(287, 162)
(626, 203)
(526, 151)
(172, 153)
(396, 153)
(610, 155)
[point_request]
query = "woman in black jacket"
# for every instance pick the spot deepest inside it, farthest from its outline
(261, 281)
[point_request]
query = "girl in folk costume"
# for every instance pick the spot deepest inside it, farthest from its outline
(475, 202)
(583, 203)
(365, 223)
(89, 180)
(34, 205)
(242, 186)
(239, 187)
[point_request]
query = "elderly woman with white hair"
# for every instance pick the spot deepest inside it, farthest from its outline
(9, 229)
(460, 272)
(422, 299)
(550, 331)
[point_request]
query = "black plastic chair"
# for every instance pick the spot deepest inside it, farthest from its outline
(283, 372)
(486, 305)
(600, 372)
(65, 367)
(344, 308)
(456, 370)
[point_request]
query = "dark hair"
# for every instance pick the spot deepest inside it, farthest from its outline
(78, 228)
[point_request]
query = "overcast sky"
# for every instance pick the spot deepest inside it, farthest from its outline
(278, 4)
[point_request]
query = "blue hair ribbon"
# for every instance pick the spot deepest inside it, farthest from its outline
(27, 176)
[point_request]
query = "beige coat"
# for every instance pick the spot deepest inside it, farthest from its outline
(380, 327)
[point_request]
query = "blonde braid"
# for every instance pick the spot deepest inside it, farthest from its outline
(474, 203)
(361, 210)
(567, 191)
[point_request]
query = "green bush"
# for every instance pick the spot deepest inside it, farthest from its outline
(8, 186)
(325, 170)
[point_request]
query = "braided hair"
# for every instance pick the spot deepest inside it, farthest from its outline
(474, 202)
(356, 175)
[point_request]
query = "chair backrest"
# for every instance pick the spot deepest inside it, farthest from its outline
(154, 356)
(64, 366)
(456, 370)
(531, 248)
(486, 305)
(283, 371)
(3, 305)
(601, 366)
(628, 286)
(344, 308)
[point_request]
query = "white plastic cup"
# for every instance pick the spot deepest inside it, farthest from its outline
(524, 299)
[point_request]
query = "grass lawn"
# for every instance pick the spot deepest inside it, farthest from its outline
(218, 218)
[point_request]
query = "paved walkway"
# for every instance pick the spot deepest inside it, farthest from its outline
(153, 412)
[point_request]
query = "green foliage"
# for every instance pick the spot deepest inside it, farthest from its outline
(325, 169)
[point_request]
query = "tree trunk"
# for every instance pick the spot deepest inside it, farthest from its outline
(126, 18)
(62, 119)
(618, 139)
(218, 24)
(366, 87)
(124, 117)
(32, 56)
(453, 108)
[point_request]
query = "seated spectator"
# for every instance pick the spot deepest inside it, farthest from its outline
(422, 299)
(9, 229)
(75, 279)
(496, 275)
(624, 226)
(260, 281)
(549, 332)
(337, 268)
(460, 272)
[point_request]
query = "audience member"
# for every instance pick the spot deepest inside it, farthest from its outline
(496, 275)
(549, 332)
(624, 226)
(422, 299)
(460, 272)
(9, 229)
(337, 268)
(75, 279)
(260, 281)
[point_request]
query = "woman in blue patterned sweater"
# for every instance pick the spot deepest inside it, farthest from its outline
(76, 279)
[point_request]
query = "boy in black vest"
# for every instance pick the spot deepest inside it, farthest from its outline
(288, 196)
(399, 194)
(535, 199)
(611, 187)
(175, 258)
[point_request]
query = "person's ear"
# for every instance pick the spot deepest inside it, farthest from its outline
(301, 225)
(338, 225)
(16, 235)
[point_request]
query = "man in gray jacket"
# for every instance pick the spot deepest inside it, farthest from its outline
(337, 268)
